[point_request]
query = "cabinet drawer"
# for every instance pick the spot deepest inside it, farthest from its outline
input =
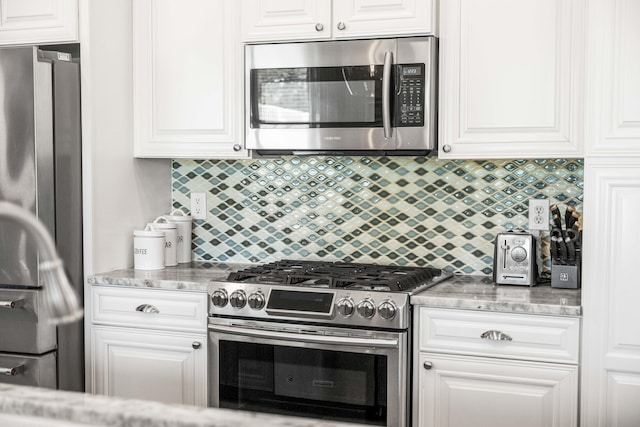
(533, 337)
(150, 308)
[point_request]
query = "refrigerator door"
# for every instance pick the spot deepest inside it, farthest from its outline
(26, 158)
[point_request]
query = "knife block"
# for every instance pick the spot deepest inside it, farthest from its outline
(565, 276)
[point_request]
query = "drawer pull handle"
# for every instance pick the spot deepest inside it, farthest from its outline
(18, 303)
(147, 308)
(12, 372)
(495, 336)
(196, 345)
(427, 365)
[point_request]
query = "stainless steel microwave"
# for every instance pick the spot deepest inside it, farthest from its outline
(371, 97)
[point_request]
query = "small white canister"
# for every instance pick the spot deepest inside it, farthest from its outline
(183, 250)
(148, 249)
(170, 239)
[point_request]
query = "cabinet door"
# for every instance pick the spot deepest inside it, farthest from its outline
(268, 20)
(459, 391)
(610, 293)
(511, 78)
(383, 18)
(614, 66)
(38, 21)
(149, 365)
(188, 75)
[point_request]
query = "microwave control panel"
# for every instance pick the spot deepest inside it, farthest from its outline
(410, 95)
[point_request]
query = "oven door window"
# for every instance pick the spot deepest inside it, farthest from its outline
(319, 97)
(323, 384)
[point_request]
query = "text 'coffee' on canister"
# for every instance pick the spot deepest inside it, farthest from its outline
(148, 249)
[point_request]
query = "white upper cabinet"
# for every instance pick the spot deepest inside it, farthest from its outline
(38, 21)
(613, 127)
(293, 20)
(188, 76)
(511, 78)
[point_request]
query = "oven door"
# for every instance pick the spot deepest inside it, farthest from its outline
(317, 372)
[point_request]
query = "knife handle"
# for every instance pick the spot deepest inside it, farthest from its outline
(571, 251)
(554, 249)
(556, 235)
(555, 214)
(568, 217)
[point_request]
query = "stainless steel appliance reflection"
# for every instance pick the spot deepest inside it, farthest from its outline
(40, 171)
(371, 97)
(317, 339)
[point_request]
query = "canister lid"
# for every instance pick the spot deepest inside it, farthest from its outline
(178, 216)
(148, 233)
(163, 223)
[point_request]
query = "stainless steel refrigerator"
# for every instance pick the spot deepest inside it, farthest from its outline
(40, 170)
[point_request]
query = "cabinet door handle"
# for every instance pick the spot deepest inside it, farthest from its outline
(341, 26)
(237, 147)
(12, 372)
(427, 365)
(147, 308)
(196, 345)
(446, 148)
(17, 303)
(319, 27)
(495, 336)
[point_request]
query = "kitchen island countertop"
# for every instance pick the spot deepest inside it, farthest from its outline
(93, 410)
(463, 292)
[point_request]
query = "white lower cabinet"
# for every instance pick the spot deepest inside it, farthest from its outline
(150, 365)
(149, 344)
(464, 380)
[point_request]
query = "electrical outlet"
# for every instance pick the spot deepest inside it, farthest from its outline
(199, 205)
(539, 214)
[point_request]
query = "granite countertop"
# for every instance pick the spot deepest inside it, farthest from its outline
(481, 293)
(463, 292)
(93, 410)
(194, 276)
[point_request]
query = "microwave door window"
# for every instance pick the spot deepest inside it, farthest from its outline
(317, 97)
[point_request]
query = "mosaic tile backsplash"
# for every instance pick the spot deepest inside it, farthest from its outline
(385, 210)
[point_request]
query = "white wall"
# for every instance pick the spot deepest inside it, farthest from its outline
(120, 193)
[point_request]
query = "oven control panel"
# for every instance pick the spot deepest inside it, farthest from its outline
(329, 306)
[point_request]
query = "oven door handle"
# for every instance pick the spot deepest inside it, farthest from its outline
(321, 339)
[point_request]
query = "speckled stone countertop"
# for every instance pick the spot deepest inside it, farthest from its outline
(464, 292)
(480, 293)
(194, 276)
(92, 410)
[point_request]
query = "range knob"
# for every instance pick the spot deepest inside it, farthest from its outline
(238, 299)
(219, 298)
(256, 300)
(346, 307)
(366, 309)
(387, 310)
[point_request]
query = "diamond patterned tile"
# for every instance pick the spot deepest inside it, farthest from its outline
(387, 210)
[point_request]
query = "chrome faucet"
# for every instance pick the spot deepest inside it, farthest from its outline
(61, 302)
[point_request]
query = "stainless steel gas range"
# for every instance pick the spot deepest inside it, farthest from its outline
(316, 339)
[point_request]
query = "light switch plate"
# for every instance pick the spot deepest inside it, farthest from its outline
(199, 205)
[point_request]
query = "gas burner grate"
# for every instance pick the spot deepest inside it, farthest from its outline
(337, 275)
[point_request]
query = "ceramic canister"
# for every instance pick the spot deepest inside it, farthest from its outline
(148, 249)
(170, 230)
(183, 221)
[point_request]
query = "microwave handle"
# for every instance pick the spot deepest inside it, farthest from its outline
(386, 94)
